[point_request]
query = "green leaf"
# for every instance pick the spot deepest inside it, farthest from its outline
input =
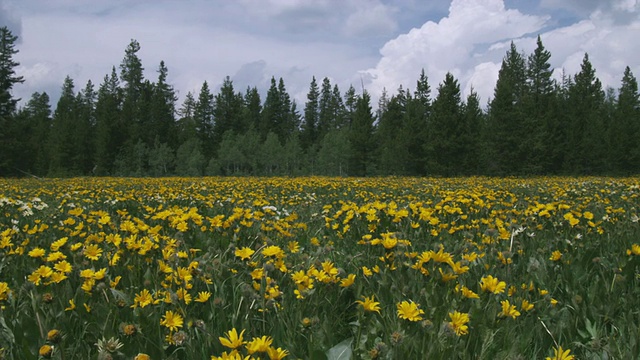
(318, 355)
(342, 351)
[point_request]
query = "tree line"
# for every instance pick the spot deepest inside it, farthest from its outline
(133, 126)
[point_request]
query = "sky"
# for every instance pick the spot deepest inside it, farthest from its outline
(375, 44)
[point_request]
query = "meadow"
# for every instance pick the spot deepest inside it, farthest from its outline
(320, 268)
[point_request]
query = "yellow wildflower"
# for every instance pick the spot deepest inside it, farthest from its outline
(171, 320)
(348, 281)
(233, 340)
(459, 322)
(492, 285)
(561, 354)
(142, 299)
(508, 310)
(526, 305)
(369, 304)
(92, 252)
(203, 296)
(409, 311)
(556, 256)
(259, 344)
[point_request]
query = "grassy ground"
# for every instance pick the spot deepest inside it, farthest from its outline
(319, 268)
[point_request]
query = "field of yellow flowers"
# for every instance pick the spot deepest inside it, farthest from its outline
(320, 268)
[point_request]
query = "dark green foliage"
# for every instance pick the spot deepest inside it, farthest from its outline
(189, 158)
(536, 113)
(227, 111)
(472, 122)
(391, 150)
(333, 156)
(252, 108)
(624, 151)
(361, 132)
(130, 126)
(35, 123)
(187, 127)
(447, 131)
(309, 128)
(162, 121)
(8, 129)
(108, 138)
(585, 101)
(203, 116)
(503, 152)
(61, 139)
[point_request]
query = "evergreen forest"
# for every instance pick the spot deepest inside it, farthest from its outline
(128, 125)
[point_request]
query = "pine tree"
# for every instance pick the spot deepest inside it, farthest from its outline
(624, 153)
(62, 144)
(84, 129)
(163, 107)
(228, 111)
(252, 108)
(337, 109)
(277, 116)
(203, 115)
(391, 149)
(473, 121)
(326, 115)
(350, 101)
(505, 125)
(361, 132)
(586, 150)
(309, 129)
(188, 129)
(130, 126)
(8, 79)
(291, 118)
(558, 127)
(445, 145)
(109, 128)
(423, 94)
(31, 126)
(537, 120)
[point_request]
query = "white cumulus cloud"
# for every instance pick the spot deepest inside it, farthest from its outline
(471, 41)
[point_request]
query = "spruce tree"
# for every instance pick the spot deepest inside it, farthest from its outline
(586, 148)
(62, 145)
(473, 122)
(326, 116)
(274, 113)
(361, 132)
(109, 127)
(624, 152)
(505, 127)
(445, 145)
(162, 112)
(203, 115)
(309, 128)
(37, 114)
(228, 111)
(8, 79)
(391, 150)
(84, 129)
(537, 119)
(337, 109)
(187, 127)
(252, 108)
(130, 124)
